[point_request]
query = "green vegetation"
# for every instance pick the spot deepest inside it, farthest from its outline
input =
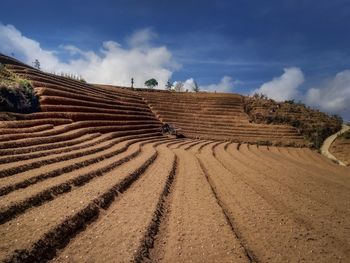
(151, 83)
(346, 135)
(169, 85)
(260, 96)
(16, 94)
(195, 87)
(36, 64)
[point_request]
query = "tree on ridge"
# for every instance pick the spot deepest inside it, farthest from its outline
(151, 83)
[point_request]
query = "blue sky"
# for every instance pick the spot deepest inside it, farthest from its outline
(251, 43)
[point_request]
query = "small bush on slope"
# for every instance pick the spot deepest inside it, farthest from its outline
(16, 94)
(346, 135)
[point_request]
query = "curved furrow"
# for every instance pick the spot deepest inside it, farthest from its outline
(309, 209)
(195, 143)
(69, 213)
(49, 146)
(86, 89)
(193, 225)
(57, 100)
(34, 76)
(276, 156)
(298, 206)
(307, 184)
(247, 252)
(85, 142)
(256, 217)
(281, 157)
(39, 128)
(27, 165)
(20, 201)
(185, 143)
(94, 141)
(73, 108)
(177, 141)
(320, 160)
(119, 222)
(21, 124)
(204, 145)
(195, 148)
(44, 140)
(323, 164)
(44, 91)
(63, 165)
(61, 130)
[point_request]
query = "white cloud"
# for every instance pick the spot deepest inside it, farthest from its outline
(189, 84)
(226, 84)
(284, 87)
(141, 38)
(26, 49)
(114, 64)
(333, 96)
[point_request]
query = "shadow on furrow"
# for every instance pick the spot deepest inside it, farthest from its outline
(143, 252)
(248, 252)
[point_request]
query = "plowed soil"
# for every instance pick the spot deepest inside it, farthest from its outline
(156, 199)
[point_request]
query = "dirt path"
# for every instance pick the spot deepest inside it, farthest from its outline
(328, 142)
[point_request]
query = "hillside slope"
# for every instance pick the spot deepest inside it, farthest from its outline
(72, 108)
(216, 116)
(314, 125)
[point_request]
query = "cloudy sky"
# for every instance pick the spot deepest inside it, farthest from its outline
(286, 49)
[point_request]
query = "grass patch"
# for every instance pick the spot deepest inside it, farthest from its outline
(16, 94)
(346, 135)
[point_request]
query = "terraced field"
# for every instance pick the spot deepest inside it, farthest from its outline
(216, 116)
(91, 179)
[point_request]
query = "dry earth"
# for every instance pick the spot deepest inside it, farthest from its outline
(166, 200)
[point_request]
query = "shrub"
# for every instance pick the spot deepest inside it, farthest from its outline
(346, 135)
(195, 87)
(16, 94)
(151, 83)
(289, 101)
